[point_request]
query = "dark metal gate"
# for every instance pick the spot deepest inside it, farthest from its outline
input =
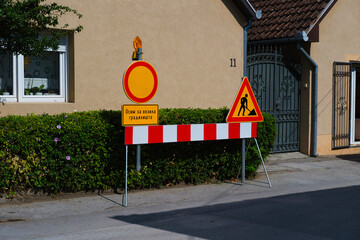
(341, 107)
(275, 76)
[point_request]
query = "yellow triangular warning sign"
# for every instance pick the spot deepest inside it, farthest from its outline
(245, 107)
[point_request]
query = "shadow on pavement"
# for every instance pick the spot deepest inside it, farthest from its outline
(251, 182)
(353, 157)
(110, 200)
(326, 214)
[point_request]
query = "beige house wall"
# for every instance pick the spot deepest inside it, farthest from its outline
(188, 42)
(339, 41)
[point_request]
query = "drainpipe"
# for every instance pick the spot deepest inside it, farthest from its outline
(314, 94)
(245, 44)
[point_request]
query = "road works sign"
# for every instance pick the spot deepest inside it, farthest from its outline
(134, 114)
(245, 107)
(140, 82)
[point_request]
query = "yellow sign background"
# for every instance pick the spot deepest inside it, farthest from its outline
(250, 105)
(133, 114)
(141, 82)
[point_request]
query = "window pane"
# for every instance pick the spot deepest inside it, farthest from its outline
(41, 74)
(6, 74)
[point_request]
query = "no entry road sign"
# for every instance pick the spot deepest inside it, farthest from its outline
(140, 82)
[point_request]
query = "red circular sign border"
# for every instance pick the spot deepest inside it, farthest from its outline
(126, 82)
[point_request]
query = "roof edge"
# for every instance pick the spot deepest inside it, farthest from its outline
(300, 37)
(250, 11)
(321, 16)
(258, 13)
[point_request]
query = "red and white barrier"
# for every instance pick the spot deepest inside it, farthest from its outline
(189, 133)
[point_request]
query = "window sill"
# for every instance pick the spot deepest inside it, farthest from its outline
(32, 99)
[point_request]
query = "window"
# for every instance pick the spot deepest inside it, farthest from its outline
(7, 74)
(35, 79)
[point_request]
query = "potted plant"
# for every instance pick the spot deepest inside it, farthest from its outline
(51, 92)
(37, 90)
(3, 82)
(28, 92)
(5, 92)
(34, 90)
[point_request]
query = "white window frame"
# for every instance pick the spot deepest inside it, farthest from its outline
(18, 79)
(12, 97)
(353, 107)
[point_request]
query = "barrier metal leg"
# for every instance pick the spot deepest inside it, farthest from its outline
(126, 167)
(267, 176)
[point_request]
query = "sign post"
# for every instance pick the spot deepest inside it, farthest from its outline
(246, 109)
(140, 83)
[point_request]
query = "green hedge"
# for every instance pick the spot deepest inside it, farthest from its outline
(85, 151)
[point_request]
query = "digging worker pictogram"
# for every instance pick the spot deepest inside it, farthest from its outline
(244, 104)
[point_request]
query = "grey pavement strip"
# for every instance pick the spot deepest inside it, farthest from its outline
(289, 173)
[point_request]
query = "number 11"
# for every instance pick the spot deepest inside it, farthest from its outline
(232, 62)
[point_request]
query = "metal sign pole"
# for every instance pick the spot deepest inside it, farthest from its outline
(243, 162)
(267, 176)
(138, 158)
(126, 167)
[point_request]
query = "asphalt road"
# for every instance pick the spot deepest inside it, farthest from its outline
(326, 214)
(310, 199)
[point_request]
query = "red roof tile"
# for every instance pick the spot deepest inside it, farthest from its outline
(284, 18)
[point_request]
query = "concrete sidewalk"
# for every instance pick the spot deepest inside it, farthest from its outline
(289, 173)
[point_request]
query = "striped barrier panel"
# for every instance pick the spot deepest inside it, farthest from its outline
(189, 132)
